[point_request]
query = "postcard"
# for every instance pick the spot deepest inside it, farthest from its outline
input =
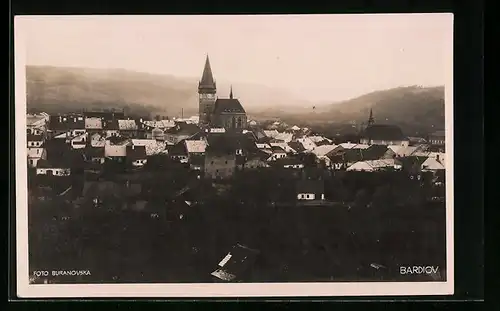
(234, 156)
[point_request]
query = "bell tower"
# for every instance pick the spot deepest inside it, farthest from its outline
(206, 94)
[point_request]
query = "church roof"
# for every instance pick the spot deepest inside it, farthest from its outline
(207, 79)
(228, 105)
(383, 132)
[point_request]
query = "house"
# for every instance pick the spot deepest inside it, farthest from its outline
(93, 124)
(157, 134)
(36, 154)
(277, 153)
(289, 162)
(78, 142)
(116, 152)
(321, 152)
(283, 146)
(37, 123)
(97, 140)
(196, 153)
(433, 164)
(67, 122)
(252, 123)
(404, 151)
(271, 133)
(416, 140)
(128, 128)
(297, 147)
(307, 143)
(178, 152)
(180, 131)
(383, 134)
(53, 168)
(94, 154)
(152, 146)
(310, 189)
(111, 128)
(136, 155)
(437, 138)
(255, 163)
(375, 165)
(35, 140)
(236, 265)
(220, 156)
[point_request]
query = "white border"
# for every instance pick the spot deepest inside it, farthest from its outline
(26, 290)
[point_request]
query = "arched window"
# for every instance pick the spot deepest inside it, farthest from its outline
(234, 122)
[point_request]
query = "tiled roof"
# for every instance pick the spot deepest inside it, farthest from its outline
(178, 149)
(229, 143)
(271, 133)
(183, 128)
(228, 105)
(93, 123)
(287, 161)
(127, 125)
(152, 146)
(383, 132)
(195, 146)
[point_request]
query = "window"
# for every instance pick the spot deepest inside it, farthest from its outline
(212, 163)
(31, 162)
(225, 162)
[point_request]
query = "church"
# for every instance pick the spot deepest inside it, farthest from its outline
(215, 112)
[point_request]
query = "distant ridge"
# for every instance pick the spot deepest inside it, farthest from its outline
(60, 89)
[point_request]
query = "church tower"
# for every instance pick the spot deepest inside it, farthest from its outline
(206, 92)
(371, 120)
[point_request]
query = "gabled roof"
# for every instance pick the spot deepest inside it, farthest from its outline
(277, 149)
(374, 152)
(323, 150)
(237, 262)
(183, 128)
(136, 152)
(127, 125)
(228, 143)
(296, 146)
(383, 132)
(228, 105)
(178, 149)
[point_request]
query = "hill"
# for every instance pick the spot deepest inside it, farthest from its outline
(58, 89)
(413, 105)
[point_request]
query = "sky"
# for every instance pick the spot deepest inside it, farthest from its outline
(319, 57)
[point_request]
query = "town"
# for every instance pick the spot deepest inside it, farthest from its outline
(222, 197)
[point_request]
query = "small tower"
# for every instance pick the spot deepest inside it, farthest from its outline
(206, 91)
(371, 121)
(231, 93)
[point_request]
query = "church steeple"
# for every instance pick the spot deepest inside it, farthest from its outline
(231, 92)
(370, 119)
(207, 79)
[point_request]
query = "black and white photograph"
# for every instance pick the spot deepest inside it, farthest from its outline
(234, 155)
